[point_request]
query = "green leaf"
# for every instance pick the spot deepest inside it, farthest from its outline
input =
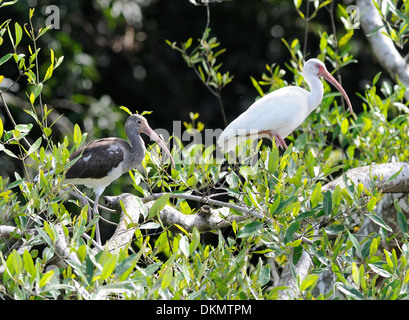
(402, 222)
(45, 236)
(316, 195)
(379, 270)
(109, 267)
(59, 61)
(355, 274)
(257, 86)
(392, 177)
(344, 40)
(184, 245)
(166, 277)
(46, 278)
(309, 281)
(355, 243)
(51, 231)
(349, 291)
(195, 241)
(297, 3)
(264, 276)
(37, 90)
(49, 73)
(1, 128)
(5, 58)
(336, 195)
(344, 126)
(15, 183)
(188, 43)
(126, 110)
(250, 229)
(291, 230)
(149, 225)
(158, 205)
(14, 263)
(7, 3)
(379, 221)
(125, 267)
(371, 204)
(34, 146)
(24, 127)
(376, 78)
(19, 33)
(273, 160)
(327, 204)
(374, 247)
(232, 179)
(28, 263)
(8, 152)
(77, 135)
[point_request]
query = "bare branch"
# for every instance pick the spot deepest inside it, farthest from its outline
(383, 47)
(62, 250)
(377, 175)
(289, 274)
(124, 232)
(246, 211)
(206, 219)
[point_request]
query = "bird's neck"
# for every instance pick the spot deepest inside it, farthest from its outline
(316, 91)
(138, 146)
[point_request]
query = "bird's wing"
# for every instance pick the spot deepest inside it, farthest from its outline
(97, 158)
(280, 111)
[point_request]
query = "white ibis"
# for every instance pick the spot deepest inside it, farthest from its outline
(280, 112)
(104, 160)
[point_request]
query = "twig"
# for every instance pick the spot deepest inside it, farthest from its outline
(11, 117)
(334, 32)
(307, 21)
(206, 200)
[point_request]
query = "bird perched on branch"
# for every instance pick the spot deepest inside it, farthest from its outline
(280, 112)
(102, 161)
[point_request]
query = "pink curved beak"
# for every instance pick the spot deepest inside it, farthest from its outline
(328, 76)
(152, 134)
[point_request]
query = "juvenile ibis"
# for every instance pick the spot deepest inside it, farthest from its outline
(280, 112)
(104, 160)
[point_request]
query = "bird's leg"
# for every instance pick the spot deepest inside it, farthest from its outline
(279, 140)
(96, 214)
(282, 141)
(84, 202)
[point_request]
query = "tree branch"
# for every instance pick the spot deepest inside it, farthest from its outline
(246, 211)
(289, 276)
(205, 220)
(383, 47)
(377, 175)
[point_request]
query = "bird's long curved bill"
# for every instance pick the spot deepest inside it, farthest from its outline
(328, 76)
(152, 134)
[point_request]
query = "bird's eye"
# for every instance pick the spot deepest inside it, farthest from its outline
(139, 121)
(317, 66)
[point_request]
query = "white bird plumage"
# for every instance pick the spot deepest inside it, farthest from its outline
(280, 112)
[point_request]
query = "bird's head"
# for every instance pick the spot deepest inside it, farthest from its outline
(139, 124)
(317, 67)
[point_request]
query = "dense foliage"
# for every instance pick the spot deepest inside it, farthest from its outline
(284, 187)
